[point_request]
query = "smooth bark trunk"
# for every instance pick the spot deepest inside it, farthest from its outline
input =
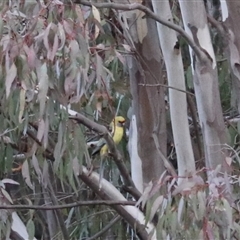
(205, 79)
(178, 105)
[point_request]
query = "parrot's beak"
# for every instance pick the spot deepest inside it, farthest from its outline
(122, 122)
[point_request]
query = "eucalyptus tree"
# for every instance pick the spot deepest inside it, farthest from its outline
(230, 33)
(63, 72)
(148, 136)
(178, 102)
(205, 78)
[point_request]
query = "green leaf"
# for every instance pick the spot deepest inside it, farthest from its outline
(9, 158)
(43, 86)
(30, 229)
(189, 78)
(26, 174)
(180, 209)
(201, 196)
(156, 204)
(99, 69)
(58, 147)
(11, 74)
(228, 211)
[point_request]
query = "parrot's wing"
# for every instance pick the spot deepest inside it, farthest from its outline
(99, 144)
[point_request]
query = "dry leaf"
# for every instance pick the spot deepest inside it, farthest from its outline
(79, 14)
(127, 47)
(96, 16)
(120, 57)
(26, 174)
(6, 195)
(228, 161)
(31, 56)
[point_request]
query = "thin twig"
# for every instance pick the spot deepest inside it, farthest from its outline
(165, 86)
(217, 25)
(166, 163)
(195, 124)
(70, 205)
(58, 212)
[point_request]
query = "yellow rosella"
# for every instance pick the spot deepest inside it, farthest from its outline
(117, 132)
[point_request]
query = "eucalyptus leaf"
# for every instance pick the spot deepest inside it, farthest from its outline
(30, 229)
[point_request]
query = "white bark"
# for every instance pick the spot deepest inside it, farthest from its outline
(224, 10)
(136, 163)
(113, 194)
(205, 83)
(178, 105)
(19, 227)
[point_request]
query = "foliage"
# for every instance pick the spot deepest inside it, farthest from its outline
(194, 208)
(55, 56)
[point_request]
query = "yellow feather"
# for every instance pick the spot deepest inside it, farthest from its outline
(117, 133)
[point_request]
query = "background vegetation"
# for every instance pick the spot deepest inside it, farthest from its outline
(67, 68)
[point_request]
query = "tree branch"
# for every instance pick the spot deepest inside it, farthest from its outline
(167, 164)
(117, 157)
(107, 191)
(70, 205)
(58, 213)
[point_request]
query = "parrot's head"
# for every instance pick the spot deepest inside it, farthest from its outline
(119, 121)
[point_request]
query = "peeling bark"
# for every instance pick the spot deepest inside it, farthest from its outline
(136, 163)
(149, 119)
(148, 99)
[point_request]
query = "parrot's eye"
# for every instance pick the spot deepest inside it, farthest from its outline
(122, 122)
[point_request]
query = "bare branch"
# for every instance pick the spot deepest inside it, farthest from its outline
(107, 191)
(167, 164)
(163, 85)
(58, 213)
(70, 205)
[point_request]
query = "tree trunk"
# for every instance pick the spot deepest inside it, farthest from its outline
(205, 83)
(230, 17)
(178, 105)
(145, 69)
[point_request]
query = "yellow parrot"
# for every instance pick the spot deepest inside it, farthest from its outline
(116, 133)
